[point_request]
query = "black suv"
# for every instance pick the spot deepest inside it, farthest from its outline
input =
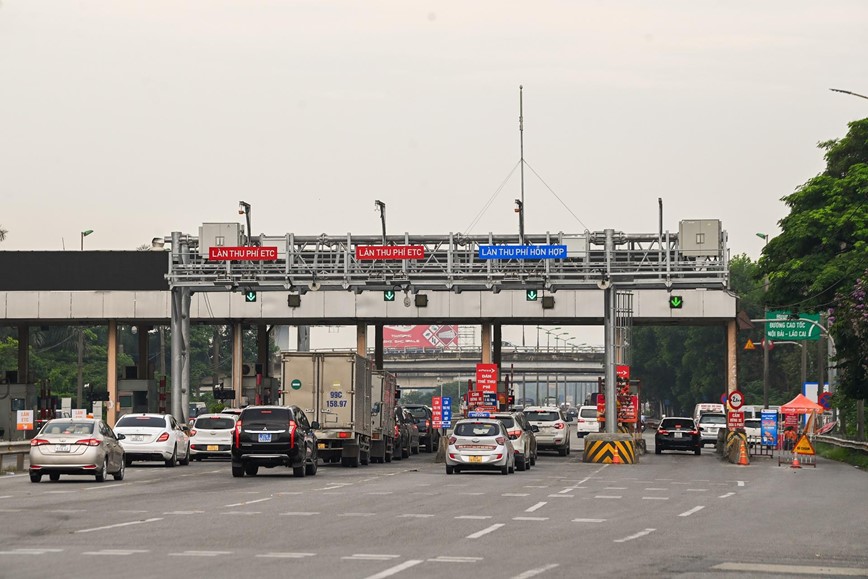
(272, 436)
(423, 416)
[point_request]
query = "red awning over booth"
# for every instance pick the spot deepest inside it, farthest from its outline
(801, 405)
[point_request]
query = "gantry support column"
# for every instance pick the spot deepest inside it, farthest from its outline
(112, 373)
(378, 346)
(486, 344)
(237, 362)
(261, 359)
(142, 368)
(362, 340)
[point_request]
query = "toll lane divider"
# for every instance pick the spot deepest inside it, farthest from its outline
(604, 451)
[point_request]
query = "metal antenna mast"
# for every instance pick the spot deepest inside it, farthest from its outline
(520, 204)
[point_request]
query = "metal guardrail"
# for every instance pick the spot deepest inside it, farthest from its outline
(18, 449)
(834, 440)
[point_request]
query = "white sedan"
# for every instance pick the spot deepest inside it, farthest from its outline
(154, 437)
(480, 444)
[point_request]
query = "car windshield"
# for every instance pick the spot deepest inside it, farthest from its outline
(268, 417)
(542, 415)
(68, 428)
(588, 413)
(476, 429)
(712, 419)
(418, 412)
(148, 421)
(215, 423)
(507, 420)
(676, 424)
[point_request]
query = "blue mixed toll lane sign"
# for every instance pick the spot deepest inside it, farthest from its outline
(522, 252)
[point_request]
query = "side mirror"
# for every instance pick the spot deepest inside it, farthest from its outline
(534, 428)
(120, 436)
(315, 425)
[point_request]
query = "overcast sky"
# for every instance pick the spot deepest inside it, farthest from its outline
(136, 119)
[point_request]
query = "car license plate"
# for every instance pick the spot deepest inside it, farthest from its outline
(138, 438)
(265, 437)
(676, 435)
(320, 445)
(475, 458)
(61, 448)
(212, 447)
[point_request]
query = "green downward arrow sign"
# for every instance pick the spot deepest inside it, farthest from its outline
(675, 302)
(389, 296)
(531, 295)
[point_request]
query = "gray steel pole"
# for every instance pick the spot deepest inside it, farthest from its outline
(609, 332)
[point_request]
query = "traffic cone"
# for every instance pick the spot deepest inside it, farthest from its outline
(796, 463)
(616, 459)
(742, 455)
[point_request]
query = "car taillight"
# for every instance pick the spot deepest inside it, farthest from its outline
(663, 432)
(581, 420)
(428, 423)
(163, 437)
(193, 432)
(238, 434)
(514, 434)
(38, 442)
(292, 427)
(560, 425)
(694, 432)
(88, 442)
(452, 440)
(500, 440)
(397, 430)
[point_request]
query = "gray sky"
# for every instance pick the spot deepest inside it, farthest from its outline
(138, 118)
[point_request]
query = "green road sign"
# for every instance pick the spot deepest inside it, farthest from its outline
(249, 297)
(531, 295)
(675, 302)
(389, 296)
(296, 384)
(784, 327)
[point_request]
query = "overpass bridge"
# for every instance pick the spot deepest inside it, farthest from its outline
(592, 278)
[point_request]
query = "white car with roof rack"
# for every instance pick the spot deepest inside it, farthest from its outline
(554, 429)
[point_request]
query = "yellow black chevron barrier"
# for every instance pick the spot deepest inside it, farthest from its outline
(734, 440)
(603, 451)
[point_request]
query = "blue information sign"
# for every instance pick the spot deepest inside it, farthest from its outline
(522, 252)
(478, 414)
(769, 428)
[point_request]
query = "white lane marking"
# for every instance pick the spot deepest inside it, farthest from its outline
(370, 557)
(656, 489)
(655, 498)
(515, 494)
(107, 487)
(396, 569)
(299, 514)
(635, 536)
(485, 531)
(740, 483)
(116, 552)
(536, 486)
(535, 507)
(67, 511)
(691, 511)
(290, 493)
(248, 502)
(286, 555)
(415, 516)
(183, 512)
(794, 569)
(472, 494)
(565, 491)
(152, 520)
(680, 483)
(200, 553)
(381, 493)
(58, 492)
(589, 520)
(727, 495)
(608, 497)
(474, 517)
(448, 559)
(530, 518)
(561, 496)
(534, 572)
(30, 551)
(6, 497)
(357, 514)
(331, 488)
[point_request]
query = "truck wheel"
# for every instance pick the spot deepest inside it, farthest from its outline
(365, 458)
(346, 462)
(388, 457)
(405, 452)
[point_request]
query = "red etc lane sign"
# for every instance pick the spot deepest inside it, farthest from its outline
(622, 372)
(373, 252)
(486, 377)
(242, 253)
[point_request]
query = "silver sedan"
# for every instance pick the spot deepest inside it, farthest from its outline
(76, 446)
(480, 444)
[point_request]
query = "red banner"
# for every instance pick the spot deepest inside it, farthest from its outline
(486, 377)
(422, 337)
(242, 253)
(373, 252)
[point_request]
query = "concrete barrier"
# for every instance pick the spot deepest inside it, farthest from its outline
(604, 448)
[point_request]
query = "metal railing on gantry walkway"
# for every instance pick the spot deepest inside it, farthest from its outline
(452, 263)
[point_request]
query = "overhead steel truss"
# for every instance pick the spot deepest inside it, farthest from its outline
(452, 263)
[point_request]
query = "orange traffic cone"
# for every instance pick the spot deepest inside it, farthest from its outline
(742, 455)
(796, 463)
(616, 459)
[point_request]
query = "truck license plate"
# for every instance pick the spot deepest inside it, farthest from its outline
(265, 437)
(320, 445)
(475, 459)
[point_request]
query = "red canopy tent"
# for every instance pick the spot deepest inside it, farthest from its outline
(801, 405)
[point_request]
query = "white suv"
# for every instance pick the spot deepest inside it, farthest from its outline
(709, 425)
(587, 422)
(522, 436)
(554, 430)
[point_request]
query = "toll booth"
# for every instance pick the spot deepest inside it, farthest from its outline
(15, 397)
(136, 396)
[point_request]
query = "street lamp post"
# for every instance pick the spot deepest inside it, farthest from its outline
(84, 234)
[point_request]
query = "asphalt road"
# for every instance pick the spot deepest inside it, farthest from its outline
(673, 515)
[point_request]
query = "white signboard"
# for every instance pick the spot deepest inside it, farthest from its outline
(79, 413)
(25, 420)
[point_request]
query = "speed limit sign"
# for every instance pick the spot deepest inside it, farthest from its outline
(736, 399)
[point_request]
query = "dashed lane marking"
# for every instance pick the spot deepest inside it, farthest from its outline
(6, 497)
(608, 497)
(792, 569)
(635, 536)
(655, 498)
(152, 520)
(248, 502)
(535, 507)
(472, 494)
(10, 510)
(286, 555)
(474, 517)
(116, 552)
(485, 531)
(200, 553)
(740, 483)
(381, 493)
(370, 557)
(515, 494)
(691, 511)
(415, 516)
(289, 493)
(589, 520)
(30, 551)
(534, 572)
(727, 495)
(396, 569)
(561, 496)
(565, 491)
(357, 514)
(299, 514)
(447, 559)
(530, 518)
